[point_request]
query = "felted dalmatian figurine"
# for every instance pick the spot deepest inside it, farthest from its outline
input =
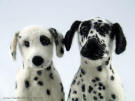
(96, 79)
(38, 80)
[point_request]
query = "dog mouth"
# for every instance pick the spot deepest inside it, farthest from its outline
(93, 49)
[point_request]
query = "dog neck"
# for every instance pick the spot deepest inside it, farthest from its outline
(92, 65)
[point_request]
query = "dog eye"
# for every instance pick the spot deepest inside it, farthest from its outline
(84, 30)
(44, 40)
(26, 43)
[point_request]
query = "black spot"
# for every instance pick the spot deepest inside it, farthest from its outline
(48, 68)
(76, 99)
(61, 50)
(100, 84)
(93, 80)
(73, 99)
(99, 94)
(83, 88)
(95, 85)
(90, 89)
(62, 99)
(39, 72)
(99, 20)
(80, 75)
(85, 27)
(15, 85)
(78, 82)
(48, 92)
(12, 53)
(94, 92)
(51, 75)
(97, 78)
(69, 92)
(94, 97)
(20, 37)
(23, 65)
(101, 97)
(73, 82)
(111, 69)
(82, 39)
(102, 29)
(61, 87)
(107, 62)
(40, 83)
(82, 71)
(99, 68)
(84, 97)
(100, 88)
(112, 78)
(75, 92)
(27, 84)
(113, 96)
(35, 78)
(91, 31)
(104, 87)
(44, 40)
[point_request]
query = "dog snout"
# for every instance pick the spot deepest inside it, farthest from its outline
(37, 60)
(93, 49)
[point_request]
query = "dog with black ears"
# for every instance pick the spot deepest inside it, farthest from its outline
(38, 80)
(96, 79)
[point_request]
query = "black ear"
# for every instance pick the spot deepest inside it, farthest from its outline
(120, 38)
(70, 33)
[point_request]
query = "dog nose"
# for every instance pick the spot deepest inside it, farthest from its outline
(37, 60)
(93, 49)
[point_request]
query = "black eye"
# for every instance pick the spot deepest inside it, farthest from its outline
(85, 27)
(44, 40)
(26, 43)
(84, 30)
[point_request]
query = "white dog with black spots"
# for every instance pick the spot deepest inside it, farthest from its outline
(37, 79)
(96, 79)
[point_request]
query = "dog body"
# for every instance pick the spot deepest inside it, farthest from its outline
(98, 82)
(38, 80)
(38, 85)
(96, 79)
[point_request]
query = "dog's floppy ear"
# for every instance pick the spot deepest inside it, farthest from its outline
(14, 45)
(70, 33)
(58, 39)
(120, 38)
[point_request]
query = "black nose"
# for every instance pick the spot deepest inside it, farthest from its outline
(37, 60)
(93, 49)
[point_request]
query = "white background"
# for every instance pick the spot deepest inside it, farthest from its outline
(16, 14)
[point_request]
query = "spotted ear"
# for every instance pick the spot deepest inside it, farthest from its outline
(14, 45)
(120, 38)
(58, 39)
(70, 33)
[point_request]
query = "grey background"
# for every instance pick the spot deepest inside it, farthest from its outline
(16, 14)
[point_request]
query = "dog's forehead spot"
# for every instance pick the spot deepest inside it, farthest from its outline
(85, 27)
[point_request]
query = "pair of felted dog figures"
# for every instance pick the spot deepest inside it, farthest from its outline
(96, 79)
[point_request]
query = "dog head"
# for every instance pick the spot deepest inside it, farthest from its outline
(96, 38)
(36, 45)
